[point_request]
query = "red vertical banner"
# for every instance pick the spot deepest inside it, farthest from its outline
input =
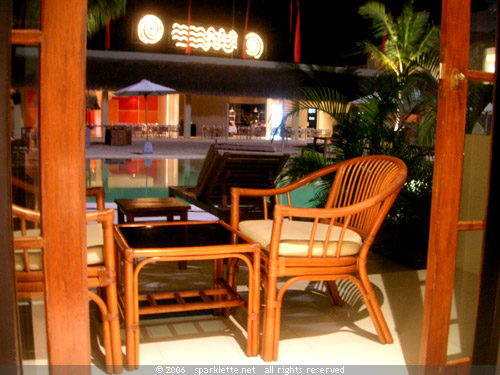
(296, 54)
(188, 46)
(107, 45)
(384, 40)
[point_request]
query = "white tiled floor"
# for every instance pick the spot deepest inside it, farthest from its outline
(312, 330)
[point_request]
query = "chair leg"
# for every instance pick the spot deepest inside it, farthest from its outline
(269, 322)
(277, 327)
(373, 306)
(105, 331)
(131, 317)
(114, 322)
(333, 292)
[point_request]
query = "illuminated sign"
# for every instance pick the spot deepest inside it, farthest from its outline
(150, 29)
(254, 45)
(212, 39)
(205, 39)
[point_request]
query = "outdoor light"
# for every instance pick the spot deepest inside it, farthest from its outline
(276, 115)
(150, 29)
(489, 60)
(254, 45)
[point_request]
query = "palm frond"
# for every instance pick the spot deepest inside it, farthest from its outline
(426, 127)
(100, 11)
(324, 99)
(408, 36)
(384, 59)
(307, 162)
(382, 23)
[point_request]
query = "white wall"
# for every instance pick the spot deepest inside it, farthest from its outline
(208, 110)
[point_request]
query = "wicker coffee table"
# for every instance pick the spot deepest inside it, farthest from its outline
(140, 244)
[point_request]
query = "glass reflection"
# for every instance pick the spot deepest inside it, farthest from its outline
(24, 132)
(482, 35)
(24, 126)
(469, 247)
(26, 14)
(480, 108)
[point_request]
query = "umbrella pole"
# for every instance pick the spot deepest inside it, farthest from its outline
(148, 147)
(147, 126)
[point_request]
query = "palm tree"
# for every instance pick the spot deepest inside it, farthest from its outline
(99, 12)
(406, 39)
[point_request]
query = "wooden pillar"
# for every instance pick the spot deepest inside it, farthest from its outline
(62, 166)
(446, 191)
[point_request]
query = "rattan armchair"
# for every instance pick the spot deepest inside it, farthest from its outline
(326, 244)
(101, 270)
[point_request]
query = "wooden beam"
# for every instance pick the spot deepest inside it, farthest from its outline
(446, 191)
(26, 37)
(480, 76)
(464, 226)
(62, 155)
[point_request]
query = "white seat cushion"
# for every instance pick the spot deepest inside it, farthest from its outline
(295, 237)
(95, 244)
(95, 248)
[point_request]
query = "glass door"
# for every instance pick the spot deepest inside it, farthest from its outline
(24, 132)
(455, 271)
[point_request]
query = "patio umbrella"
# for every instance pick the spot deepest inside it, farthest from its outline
(145, 88)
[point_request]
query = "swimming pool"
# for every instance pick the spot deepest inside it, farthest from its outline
(150, 178)
(140, 178)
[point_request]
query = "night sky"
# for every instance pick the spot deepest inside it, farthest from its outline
(330, 29)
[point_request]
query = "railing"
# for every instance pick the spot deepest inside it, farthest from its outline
(241, 131)
(141, 130)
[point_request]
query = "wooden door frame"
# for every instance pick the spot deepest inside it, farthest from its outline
(446, 189)
(9, 344)
(445, 224)
(487, 332)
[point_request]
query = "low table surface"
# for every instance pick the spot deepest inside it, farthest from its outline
(174, 235)
(150, 204)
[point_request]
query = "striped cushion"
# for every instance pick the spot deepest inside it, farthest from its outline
(295, 237)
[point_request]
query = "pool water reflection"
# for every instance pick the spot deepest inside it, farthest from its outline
(141, 178)
(150, 178)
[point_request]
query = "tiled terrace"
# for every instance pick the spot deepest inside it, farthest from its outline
(312, 330)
